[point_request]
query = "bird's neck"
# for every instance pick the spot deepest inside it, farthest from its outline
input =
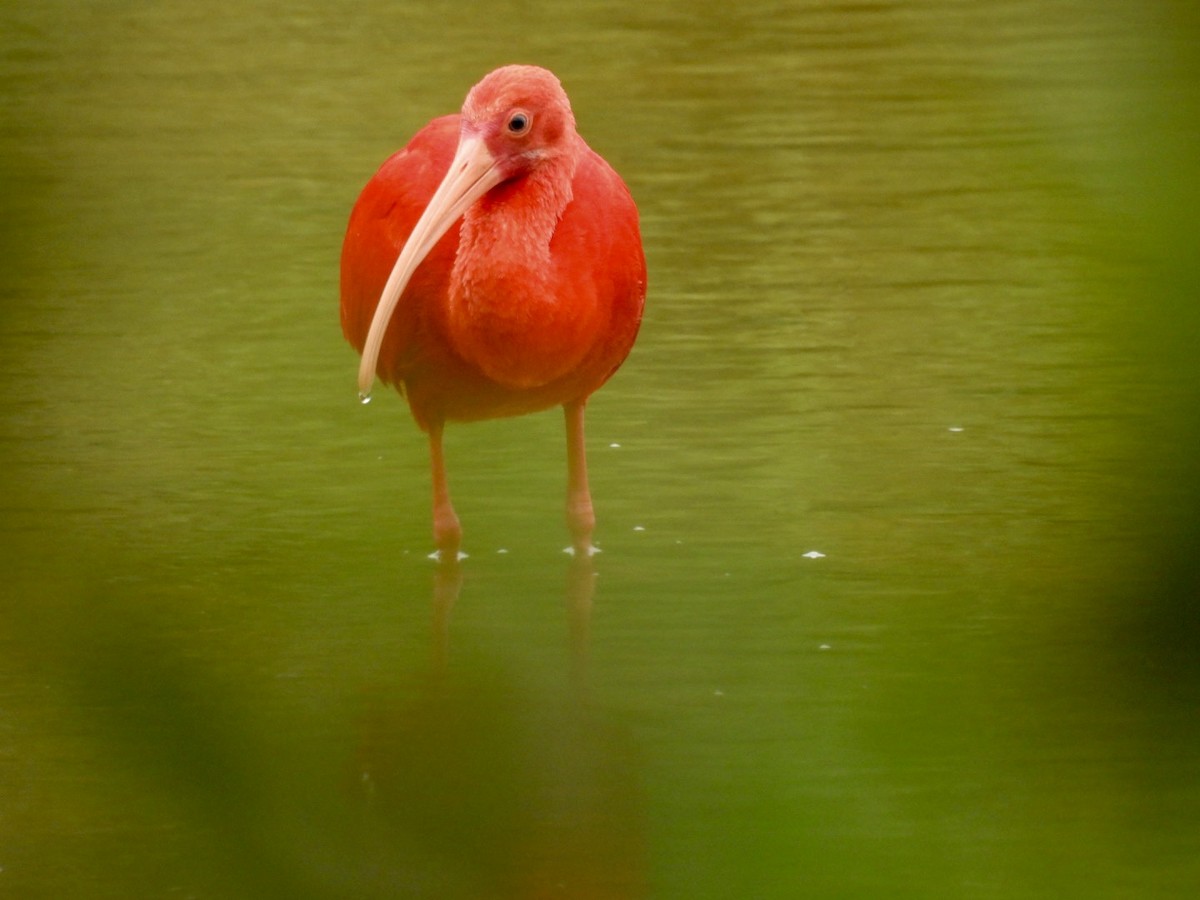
(513, 224)
(506, 308)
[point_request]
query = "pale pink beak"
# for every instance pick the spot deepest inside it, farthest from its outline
(473, 172)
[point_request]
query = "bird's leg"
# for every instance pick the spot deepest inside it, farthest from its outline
(581, 518)
(447, 533)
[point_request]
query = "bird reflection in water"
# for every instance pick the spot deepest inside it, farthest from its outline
(493, 785)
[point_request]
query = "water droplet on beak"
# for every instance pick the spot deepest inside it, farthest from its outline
(364, 397)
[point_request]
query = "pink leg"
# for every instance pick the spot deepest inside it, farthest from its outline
(581, 518)
(447, 533)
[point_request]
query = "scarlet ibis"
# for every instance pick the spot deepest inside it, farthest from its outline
(494, 267)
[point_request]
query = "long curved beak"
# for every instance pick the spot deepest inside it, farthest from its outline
(473, 172)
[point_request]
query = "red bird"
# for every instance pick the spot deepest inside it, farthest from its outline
(494, 267)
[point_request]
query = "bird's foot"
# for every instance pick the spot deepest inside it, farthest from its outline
(581, 522)
(441, 557)
(447, 535)
(587, 549)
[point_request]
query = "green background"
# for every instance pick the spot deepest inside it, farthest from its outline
(922, 299)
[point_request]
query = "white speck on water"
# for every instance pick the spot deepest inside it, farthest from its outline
(639, 527)
(592, 550)
(823, 647)
(955, 428)
(615, 446)
(718, 693)
(502, 550)
(814, 554)
(436, 556)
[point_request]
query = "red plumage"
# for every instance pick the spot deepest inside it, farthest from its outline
(527, 294)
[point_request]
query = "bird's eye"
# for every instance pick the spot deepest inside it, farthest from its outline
(519, 122)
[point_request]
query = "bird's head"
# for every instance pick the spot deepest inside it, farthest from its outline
(515, 122)
(522, 118)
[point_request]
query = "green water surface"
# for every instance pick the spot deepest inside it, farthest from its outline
(897, 492)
